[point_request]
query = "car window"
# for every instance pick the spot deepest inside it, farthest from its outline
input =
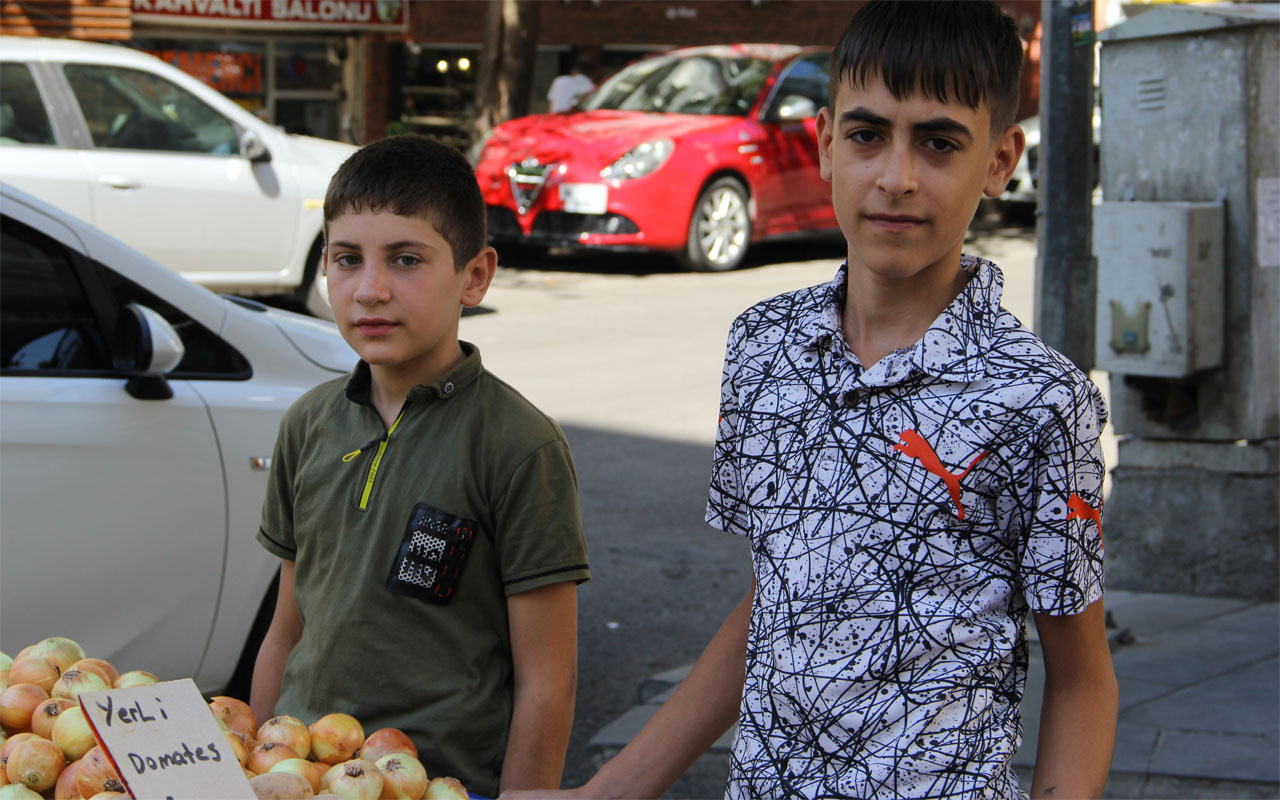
(806, 77)
(207, 357)
(46, 324)
(135, 110)
(685, 85)
(23, 119)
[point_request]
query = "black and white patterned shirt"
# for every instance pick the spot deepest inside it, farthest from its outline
(903, 519)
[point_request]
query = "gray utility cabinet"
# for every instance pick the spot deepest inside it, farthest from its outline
(1187, 243)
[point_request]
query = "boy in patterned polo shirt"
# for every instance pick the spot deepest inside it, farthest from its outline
(915, 470)
(425, 514)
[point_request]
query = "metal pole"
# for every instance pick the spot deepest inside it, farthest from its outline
(1066, 277)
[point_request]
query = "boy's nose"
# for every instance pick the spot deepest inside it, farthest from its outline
(898, 176)
(372, 288)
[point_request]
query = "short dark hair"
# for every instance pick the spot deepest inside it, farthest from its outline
(413, 176)
(962, 51)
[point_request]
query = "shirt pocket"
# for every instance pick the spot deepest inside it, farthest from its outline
(432, 554)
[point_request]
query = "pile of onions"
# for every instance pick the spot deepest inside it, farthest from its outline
(48, 750)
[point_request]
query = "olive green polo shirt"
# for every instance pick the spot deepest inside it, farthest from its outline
(406, 545)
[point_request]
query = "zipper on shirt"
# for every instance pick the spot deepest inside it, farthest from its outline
(381, 442)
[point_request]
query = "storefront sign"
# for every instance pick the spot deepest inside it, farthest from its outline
(310, 14)
(165, 742)
(234, 74)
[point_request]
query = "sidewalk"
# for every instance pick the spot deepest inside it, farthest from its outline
(1199, 702)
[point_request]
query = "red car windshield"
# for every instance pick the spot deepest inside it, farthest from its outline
(699, 84)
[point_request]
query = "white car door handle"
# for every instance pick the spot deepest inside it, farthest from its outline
(119, 182)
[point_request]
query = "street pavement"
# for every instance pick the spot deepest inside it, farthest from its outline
(625, 352)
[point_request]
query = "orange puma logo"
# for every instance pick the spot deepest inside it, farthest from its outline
(1077, 508)
(915, 446)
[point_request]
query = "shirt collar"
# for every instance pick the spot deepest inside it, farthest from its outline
(954, 347)
(448, 385)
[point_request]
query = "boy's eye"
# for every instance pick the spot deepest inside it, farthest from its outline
(940, 145)
(406, 260)
(346, 260)
(863, 136)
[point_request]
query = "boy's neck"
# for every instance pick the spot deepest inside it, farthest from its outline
(882, 315)
(389, 386)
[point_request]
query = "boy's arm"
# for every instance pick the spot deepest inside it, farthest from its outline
(544, 650)
(1081, 698)
(284, 632)
(700, 711)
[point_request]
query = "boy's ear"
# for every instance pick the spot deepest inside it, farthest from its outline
(1004, 157)
(479, 274)
(826, 134)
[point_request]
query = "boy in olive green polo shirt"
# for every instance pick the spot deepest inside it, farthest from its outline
(425, 513)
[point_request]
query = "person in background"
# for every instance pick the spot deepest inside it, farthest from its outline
(566, 89)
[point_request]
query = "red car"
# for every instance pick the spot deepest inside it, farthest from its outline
(698, 151)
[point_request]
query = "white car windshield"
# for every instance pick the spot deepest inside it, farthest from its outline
(700, 84)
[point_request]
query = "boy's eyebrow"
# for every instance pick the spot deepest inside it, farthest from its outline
(387, 246)
(933, 125)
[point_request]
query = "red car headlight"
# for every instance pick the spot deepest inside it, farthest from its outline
(639, 161)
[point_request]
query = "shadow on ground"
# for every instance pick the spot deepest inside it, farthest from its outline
(662, 580)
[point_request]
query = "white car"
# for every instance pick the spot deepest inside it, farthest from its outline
(138, 412)
(162, 162)
(1019, 197)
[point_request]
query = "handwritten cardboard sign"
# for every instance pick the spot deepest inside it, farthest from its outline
(165, 742)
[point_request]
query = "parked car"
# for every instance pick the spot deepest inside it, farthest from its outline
(698, 151)
(1019, 197)
(166, 164)
(138, 412)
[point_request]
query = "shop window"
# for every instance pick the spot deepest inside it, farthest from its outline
(438, 95)
(305, 66)
(22, 116)
(236, 69)
(134, 110)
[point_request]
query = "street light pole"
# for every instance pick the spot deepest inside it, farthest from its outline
(1066, 276)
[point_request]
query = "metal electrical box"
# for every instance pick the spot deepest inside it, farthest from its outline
(1160, 281)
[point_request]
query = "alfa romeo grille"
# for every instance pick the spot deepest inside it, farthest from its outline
(527, 178)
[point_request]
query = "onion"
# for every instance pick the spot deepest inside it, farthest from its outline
(385, 741)
(266, 755)
(97, 774)
(73, 734)
(35, 763)
(108, 795)
(135, 678)
(99, 666)
(16, 791)
(336, 738)
(237, 747)
(280, 786)
(36, 670)
(358, 780)
(17, 704)
(328, 776)
(312, 771)
(74, 682)
(65, 788)
(59, 651)
(287, 730)
(403, 777)
(46, 714)
(446, 789)
(235, 714)
(5, 661)
(8, 747)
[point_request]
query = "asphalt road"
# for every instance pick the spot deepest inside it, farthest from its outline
(625, 352)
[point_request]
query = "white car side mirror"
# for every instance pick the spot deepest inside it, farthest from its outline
(796, 107)
(253, 148)
(160, 351)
